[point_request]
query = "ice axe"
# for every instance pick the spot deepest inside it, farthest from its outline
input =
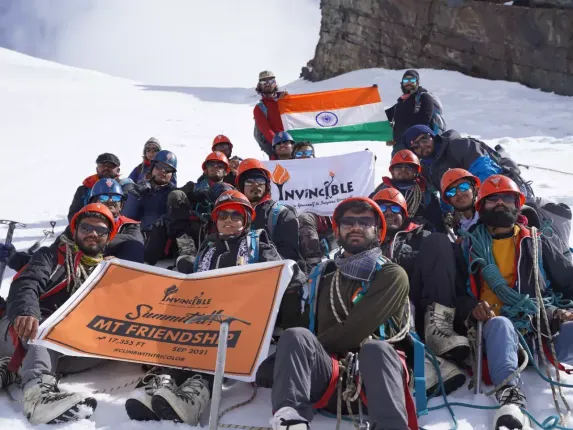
(225, 322)
(47, 233)
(11, 227)
(479, 358)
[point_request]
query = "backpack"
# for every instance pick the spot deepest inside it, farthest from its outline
(258, 134)
(273, 216)
(253, 239)
(310, 301)
(437, 122)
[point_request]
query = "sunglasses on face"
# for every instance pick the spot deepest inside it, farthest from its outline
(424, 140)
(164, 168)
(300, 154)
(253, 182)
(221, 147)
(104, 198)
(403, 167)
(88, 228)
(409, 80)
(234, 215)
(216, 165)
(267, 81)
(463, 187)
(152, 149)
(505, 198)
(360, 221)
(106, 165)
(394, 208)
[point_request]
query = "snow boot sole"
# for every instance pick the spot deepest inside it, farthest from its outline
(164, 410)
(78, 412)
(137, 411)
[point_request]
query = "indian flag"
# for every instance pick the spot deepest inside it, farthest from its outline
(347, 115)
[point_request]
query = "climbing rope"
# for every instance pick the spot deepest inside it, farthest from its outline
(414, 198)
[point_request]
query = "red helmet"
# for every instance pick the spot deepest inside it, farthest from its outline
(97, 208)
(496, 184)
(375, 208)
(392, 195)
(221, 138)
(251, 164)
(454, 175)
(216, 156)
(405, 156)
(232, 198)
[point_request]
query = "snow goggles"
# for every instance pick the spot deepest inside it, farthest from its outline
(505, 198)
(463, 187)
(360, 221)
(409, 80)
(394, 208)
(300, 154)
(234, 215)
(104, 198)
(85, 228)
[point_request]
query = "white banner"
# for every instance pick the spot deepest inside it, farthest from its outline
(318, 185)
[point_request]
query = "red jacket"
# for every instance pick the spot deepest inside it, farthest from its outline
(270, 123)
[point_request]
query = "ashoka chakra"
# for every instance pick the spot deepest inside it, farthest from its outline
(326, 119)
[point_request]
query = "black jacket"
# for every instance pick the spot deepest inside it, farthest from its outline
(403, 116)
(226, 254)
(80, 199)
(404, 247)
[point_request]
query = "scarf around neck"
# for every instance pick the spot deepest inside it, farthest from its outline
(361, 266)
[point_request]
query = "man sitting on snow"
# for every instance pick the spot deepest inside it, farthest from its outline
(368, 297)
(423, 205)
(46, 283)
(508, 256)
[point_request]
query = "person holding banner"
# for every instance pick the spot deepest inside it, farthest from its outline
(46, 283)
(371, 296)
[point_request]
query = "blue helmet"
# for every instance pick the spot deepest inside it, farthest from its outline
(282, 136)
(166, 157)
(106, 186)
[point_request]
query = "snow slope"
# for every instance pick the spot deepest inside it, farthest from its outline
(56, 119)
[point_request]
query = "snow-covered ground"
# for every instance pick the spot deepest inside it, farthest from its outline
(55, 120)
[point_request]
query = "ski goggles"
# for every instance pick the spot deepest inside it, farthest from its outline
(395, 209)
(300, 154)
(463, 187)
(360, 221)
(504, 197)
(105, 198)
(258, 181)
(85, 228)
(233, 215)
(409, 80)
(216, 164)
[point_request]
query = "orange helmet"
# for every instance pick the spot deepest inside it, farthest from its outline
(95, 208)
(392, 195)
(454, 175)
(405, 156)
(498, 184)
(232, 198)
(250, 164)
(375, 208)
(216, 156)
(221, 138)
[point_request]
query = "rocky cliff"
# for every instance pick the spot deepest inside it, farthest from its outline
(533, 46)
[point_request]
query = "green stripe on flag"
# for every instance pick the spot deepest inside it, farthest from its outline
(378, 131)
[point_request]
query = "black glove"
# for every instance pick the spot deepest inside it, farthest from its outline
(141, 188)
(265, 373)
(6, 252)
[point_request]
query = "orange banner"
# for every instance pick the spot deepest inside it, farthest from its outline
(134, 312)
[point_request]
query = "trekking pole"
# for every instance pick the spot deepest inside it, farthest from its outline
(479, 358)
(225, 322)
(11, 227)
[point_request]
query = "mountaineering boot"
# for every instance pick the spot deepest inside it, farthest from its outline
(288, 419)
(138, 407)
(187, 253)
(452, 377)
(440, 336)
(45, 404)
(184, 404)
(6, 377)
(509, 415)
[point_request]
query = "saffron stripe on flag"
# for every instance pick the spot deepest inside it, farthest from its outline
(375, 131)
(337, 99)
(372, 112)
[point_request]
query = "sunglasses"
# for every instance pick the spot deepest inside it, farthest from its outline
(409, 80)
(300, 154)
(88, 228)
(234, 215)
(463, 187)
(267, 81)
(164, 168)
(424, 140)
(104, 198)
(505, 198)
(403, 166)
(394, 208)
(216, 165)
(258, 182)
(152, 149)
(221, 146)
(360, 221)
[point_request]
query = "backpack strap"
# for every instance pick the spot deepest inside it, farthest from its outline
(273, 217)
(263, 107)
(253, 240)
(311, 293)
(417, 102)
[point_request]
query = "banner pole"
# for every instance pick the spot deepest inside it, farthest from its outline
(219, 372)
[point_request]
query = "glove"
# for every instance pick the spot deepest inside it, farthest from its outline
(141, 188)
(265, 373)
(6, 252)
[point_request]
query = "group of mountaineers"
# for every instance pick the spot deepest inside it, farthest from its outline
(451, 238)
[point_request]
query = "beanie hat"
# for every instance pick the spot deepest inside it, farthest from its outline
(412, 73)
(151, 141)
(106, 157)
(415, 131)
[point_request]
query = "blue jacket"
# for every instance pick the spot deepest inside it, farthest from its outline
(149, 207)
